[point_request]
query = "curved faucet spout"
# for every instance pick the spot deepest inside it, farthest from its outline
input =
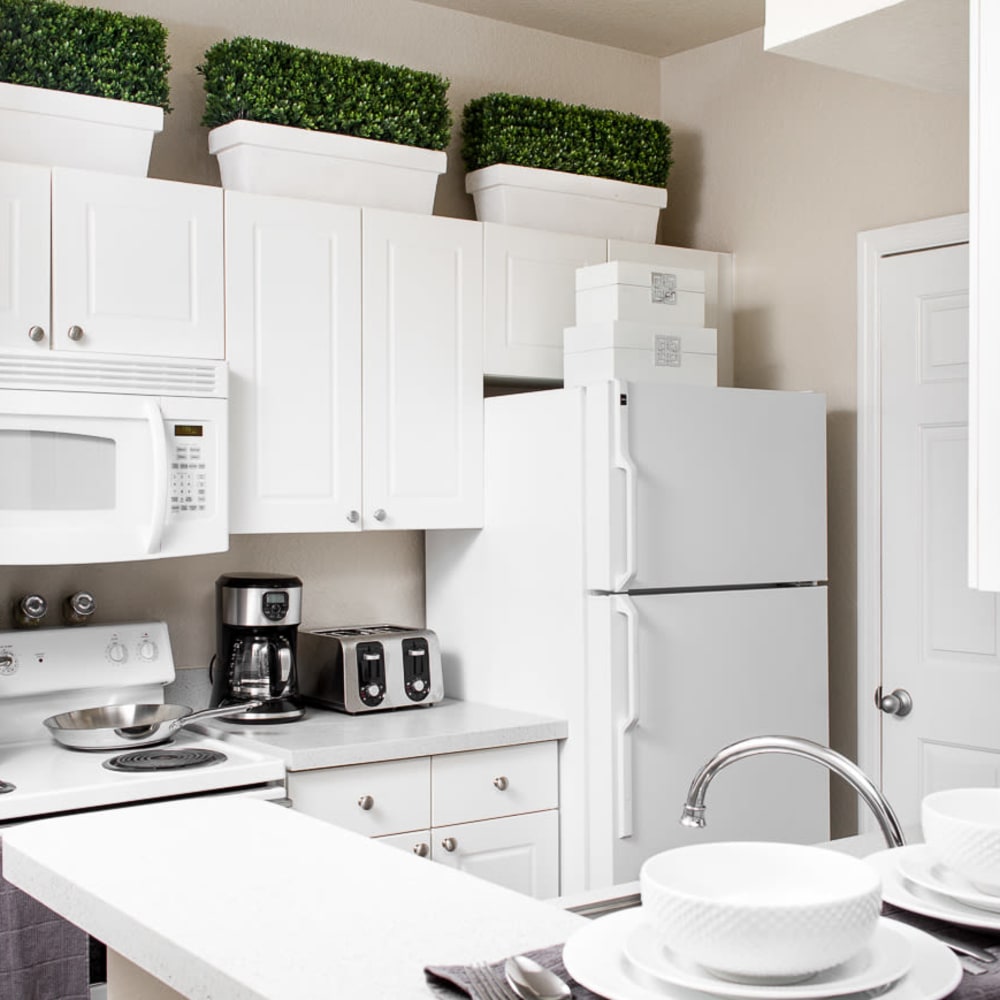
(694, 807)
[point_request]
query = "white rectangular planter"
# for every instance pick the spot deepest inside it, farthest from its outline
(60, 129)
(261, 158)
(566, 203)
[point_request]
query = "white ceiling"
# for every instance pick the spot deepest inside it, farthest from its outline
(652, 27)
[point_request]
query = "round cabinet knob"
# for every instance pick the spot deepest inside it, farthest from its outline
(899, 703)
(449, 843)
(421, 850)
(37, 334)
(379, 514)
(501, 783)
(366, 802)
(353, 516)
(75, 333)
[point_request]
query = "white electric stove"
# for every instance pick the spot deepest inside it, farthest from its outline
(51, 670)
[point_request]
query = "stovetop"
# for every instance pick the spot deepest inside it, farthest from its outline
(46, 671)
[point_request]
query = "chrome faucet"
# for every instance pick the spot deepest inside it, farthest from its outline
(694, 807)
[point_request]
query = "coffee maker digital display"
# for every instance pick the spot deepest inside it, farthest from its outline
(257, 621)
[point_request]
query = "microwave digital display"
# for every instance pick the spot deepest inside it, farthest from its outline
(189, 430)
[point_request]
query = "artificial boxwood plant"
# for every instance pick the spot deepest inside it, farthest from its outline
(573, 138)
(102, 53)
(284, 84)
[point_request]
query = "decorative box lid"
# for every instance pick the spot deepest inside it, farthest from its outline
(639, 336)
(659, 279)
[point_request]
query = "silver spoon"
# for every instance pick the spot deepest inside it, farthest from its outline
(532, 981)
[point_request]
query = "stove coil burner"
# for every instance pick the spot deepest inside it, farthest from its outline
(6, 786)
(164, 760)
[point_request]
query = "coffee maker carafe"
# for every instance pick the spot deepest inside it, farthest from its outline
(257, 620)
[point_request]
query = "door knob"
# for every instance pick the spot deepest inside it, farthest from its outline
(899, 703)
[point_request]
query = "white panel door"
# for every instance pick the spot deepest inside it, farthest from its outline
(519, 852)
(136, 266)
(529, 297)
(705, 487)
(423, 370)
(24, 257)
(676, 678)
(940, 639)
(293, 314)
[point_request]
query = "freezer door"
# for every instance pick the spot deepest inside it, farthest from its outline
(673, 679)
(693, 486)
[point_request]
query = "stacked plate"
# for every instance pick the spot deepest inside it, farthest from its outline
(758, 921)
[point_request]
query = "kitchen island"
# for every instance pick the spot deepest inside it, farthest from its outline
(238, 898)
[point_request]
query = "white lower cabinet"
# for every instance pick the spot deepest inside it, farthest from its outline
(493, 813)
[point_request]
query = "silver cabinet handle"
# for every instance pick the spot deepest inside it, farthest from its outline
(501, 783)
(366, 802)
(379, 514)
(75, 333)
(899, 703)
(449, 843)
(421, 850)
(36, 333)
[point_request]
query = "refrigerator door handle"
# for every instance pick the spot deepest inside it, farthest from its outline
(623, 785)
(623, 460)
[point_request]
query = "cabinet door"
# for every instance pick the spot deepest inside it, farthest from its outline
(136, 266)
(24, 256)
(293, 320)
(529, 297)
(373, 799)
(423, 393)
(519, 852)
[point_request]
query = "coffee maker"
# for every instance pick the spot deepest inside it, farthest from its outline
(257, 618)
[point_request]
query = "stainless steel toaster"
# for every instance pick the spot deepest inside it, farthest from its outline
(367, 668)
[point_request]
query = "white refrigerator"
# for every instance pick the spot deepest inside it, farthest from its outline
(653, 570)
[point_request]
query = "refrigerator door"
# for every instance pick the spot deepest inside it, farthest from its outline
(689, 674)
(693, 486)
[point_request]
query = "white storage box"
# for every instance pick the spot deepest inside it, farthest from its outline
(640, 293)
(637, 352)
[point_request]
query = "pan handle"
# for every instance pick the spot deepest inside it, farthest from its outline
(213, 713)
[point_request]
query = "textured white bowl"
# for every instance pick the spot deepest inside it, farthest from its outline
(961, 828)
(761, 912)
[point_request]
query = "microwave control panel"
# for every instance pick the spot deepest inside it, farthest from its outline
(190, 463)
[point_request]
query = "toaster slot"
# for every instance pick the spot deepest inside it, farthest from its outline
(371, 673)
(416, 668)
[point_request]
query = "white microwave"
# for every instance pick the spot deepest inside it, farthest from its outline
(108, 458)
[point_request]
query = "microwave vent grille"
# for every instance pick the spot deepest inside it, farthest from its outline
(108, 373)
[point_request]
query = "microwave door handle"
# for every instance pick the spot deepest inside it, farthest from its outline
(158, 440)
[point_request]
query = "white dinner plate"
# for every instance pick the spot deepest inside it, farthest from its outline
(887, 958)
(899, 891)
(918, 865)
(595, 957)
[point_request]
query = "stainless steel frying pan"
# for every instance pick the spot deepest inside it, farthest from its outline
(112, 727)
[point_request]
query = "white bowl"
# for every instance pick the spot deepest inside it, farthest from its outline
(761, 912)
(961, 828)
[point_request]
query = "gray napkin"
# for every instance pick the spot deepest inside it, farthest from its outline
(42, 956)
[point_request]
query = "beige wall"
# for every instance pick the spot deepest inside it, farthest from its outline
(359, 578)
(784, 163)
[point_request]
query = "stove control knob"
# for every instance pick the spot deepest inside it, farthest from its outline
(7, 663)
(147, 650)
(117, 653)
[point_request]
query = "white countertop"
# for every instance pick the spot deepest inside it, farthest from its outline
(331, 739)
(337, 915)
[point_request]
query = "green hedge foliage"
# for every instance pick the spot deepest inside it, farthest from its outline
(283, 84)
(87, 51)
(573, 138)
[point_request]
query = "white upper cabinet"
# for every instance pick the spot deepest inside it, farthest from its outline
(422, 399)
(136, 264)
(356, 375)
(24, 257)
(293, 315)
(529, 297)
(921, 43)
